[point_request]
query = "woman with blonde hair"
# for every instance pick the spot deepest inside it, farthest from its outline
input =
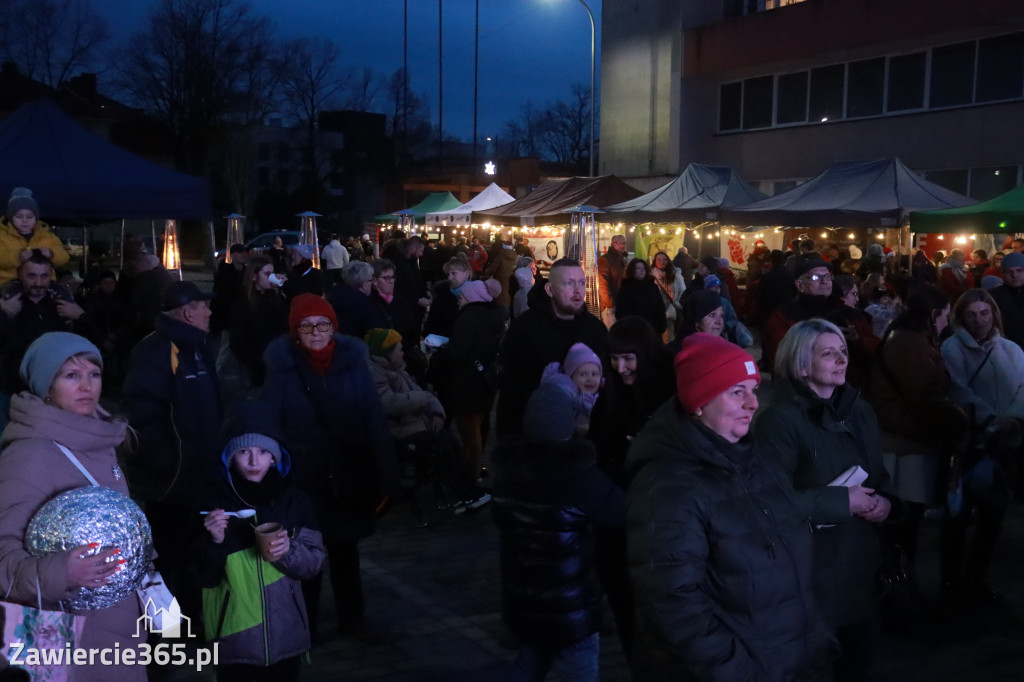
(819, 430)
(58, 415)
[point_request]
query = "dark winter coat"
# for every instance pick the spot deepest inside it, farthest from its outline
(305, 279)
(459, 369)
(444, 306)
(354, 310)
(548, 496)
(1011, 305)
(536, 338)
(172, 400)
(332, 423)
(814, 441)
(641, 297)
(229, 290)
(720, 561)
(254, 324)
(397, 315)
(252, 608)
(803, 307)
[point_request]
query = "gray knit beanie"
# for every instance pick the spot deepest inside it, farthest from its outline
(254, 440)
(21, 198)
(550, 414)
(44, 358)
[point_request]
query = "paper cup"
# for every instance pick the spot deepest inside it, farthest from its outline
(266, 533)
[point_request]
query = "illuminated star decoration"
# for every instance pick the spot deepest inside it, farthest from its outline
(489, 168)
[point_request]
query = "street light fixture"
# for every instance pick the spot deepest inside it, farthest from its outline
(593, 59)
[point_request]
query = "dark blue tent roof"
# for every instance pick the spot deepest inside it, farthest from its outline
(76, 175)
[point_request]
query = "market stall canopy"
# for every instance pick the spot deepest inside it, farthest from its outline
(695, 195)
(552, 201)
(76, 175)
(492, 197)
(435, 202)
(850, 194)
(1003, 214)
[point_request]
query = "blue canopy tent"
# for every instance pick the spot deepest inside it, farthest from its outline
(78, 176)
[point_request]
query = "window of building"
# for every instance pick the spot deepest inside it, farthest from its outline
(954, 180)
(988, 183)
(791, 103)
(1000, 68)
(865, 88)
(729, 106)
(757, 102)
(952, 76)
(827, 85)
(906, 82)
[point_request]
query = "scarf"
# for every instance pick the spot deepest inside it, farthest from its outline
(320, 360)
(387, 297)
(262, 493)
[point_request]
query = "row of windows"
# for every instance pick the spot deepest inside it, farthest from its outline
(973, 72)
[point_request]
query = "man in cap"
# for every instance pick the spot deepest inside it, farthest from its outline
(305, 279)
(1010, 297)
(172, 400)
(813, 286)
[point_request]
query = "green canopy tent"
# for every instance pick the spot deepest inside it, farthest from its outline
(435, 202)
(1003, 214)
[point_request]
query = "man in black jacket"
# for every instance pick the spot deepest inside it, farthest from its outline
(545, 334)
(172, 400)
(1010, 297)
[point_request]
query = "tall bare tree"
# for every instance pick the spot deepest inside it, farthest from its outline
(364, 86)
(560, 132)
(199, 66)
(51, 40)
(408, 119)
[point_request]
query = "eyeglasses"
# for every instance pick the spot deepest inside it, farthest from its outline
(387, 278)
(307, 328)
(819, 278)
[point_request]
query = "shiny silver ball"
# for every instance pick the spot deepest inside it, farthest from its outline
(95, 514)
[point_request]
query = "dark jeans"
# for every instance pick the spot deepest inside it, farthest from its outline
(347, 584)
(173, 537)
(858, 642)
(282, 671)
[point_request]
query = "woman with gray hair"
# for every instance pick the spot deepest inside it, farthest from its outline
(827, 440)
(351, 299)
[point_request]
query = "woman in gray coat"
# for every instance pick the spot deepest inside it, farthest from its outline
(817, 429)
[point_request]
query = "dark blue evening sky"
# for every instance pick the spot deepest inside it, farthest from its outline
(529, 49)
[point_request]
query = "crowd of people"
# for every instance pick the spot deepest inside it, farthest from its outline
(630, 459)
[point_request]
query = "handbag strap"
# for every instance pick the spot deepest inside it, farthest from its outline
(78, 465)
(975, 375)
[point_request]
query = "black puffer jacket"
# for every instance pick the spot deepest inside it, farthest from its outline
(459, 369)
(547, 498)
(719, 560)
(814, 441)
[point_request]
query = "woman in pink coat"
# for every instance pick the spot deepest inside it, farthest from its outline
(64, 374)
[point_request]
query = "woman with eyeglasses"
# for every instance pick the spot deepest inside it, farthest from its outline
(320, 388)
(394, 311)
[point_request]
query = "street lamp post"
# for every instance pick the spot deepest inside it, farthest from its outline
(592, 64)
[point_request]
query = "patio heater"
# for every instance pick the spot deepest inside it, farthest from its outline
(307, 234)
(236, 234)
(172, 253)
(581, 244)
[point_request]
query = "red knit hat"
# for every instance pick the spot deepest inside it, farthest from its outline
(307, 305)
(707, 366)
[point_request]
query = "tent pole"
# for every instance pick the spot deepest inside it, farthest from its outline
(85, 250)
(152, 229)
(122, 245)
(213, 244)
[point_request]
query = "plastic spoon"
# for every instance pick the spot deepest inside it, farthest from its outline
(241, 513)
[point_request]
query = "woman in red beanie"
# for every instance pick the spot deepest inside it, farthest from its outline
(320, 388)
(719, 558)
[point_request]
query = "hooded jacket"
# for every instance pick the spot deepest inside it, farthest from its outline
(406, 404)
(172, 399)
(13, 243)
(253, 608)
(548, 496)
(814, 441)
(719, 559)
(33, 470)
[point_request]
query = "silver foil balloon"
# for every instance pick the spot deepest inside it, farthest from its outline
(94, 514)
